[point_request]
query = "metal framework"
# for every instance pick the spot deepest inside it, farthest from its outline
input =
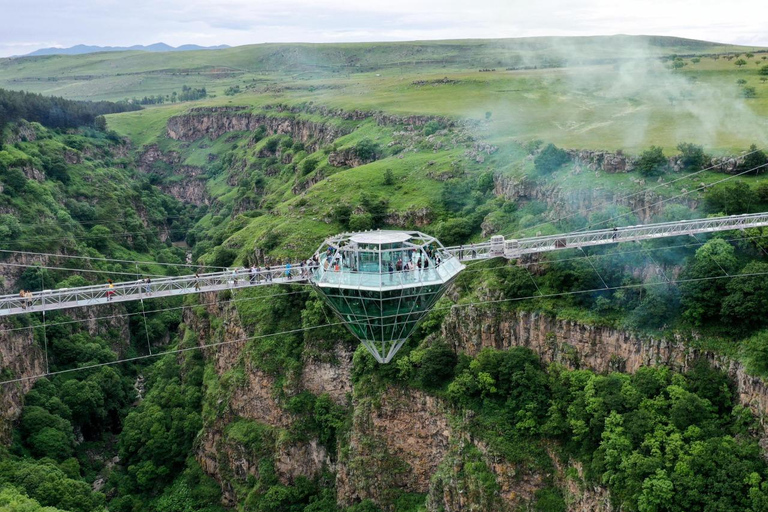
(64, 298)
(348, 254)
(515, 248)
(381, 284)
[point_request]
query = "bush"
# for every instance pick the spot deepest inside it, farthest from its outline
(366, 150)
(14, 180)
(731, 198)
(308, 165)
(692, 156)
(377, 207)
(431, 128)
(389, 178)
(754, 158)
(437, 366)
(360, 222)
(341, 214)
(652, 162)
(755, 353)
(455, 231)
(223, 257)
(550, 159)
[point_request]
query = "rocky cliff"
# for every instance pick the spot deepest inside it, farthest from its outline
(602, 349)
(562, 201)
(20, 358)
(201, 122)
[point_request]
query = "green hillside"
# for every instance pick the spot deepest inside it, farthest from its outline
(612, 92)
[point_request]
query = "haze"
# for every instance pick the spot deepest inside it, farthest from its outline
(27, 26)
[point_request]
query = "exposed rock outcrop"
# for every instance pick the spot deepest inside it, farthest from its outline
(396, 444)
(561, 202)
(602, 349)
(345, 158)
(199, 123)
(20, 358)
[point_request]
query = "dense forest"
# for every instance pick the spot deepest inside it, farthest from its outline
(52, 111)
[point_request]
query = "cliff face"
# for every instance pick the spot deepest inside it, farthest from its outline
(398, 440)
(562, 202)
(395, 444)
(20, 358)
(602, 349)
(229, 460)
(619, 162)
(213, 124)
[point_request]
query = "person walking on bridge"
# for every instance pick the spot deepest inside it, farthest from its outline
(110, 289)
(23, 297)
(148, 286)
(197, 282)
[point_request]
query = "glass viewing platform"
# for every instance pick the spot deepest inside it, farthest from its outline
(382, 283)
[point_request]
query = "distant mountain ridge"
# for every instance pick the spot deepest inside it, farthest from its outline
(81, 49)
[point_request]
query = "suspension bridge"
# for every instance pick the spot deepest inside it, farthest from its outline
(379, 283)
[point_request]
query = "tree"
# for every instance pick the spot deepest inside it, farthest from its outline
(308, 165)
(740, 62)
(763, 70)
(431, 127)
(389, 178)
(731, 198)
(366, 150)
(360, 221)
(755, 158)
(14, 180)
(744, 307)
(223, 257)
(693, 157)
(651, 162)
(741, 81)
(701, 296)
(749, 92)
(437, 366)
(550, 159)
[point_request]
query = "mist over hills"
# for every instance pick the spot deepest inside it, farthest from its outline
(81, 49)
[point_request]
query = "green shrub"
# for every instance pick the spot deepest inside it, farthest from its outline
(652, 162)
(366, 150)
(693, 157)
(308, 165)
(223, 257)
(432, 127)
(361, 222)
(550, 159)
(14, 181)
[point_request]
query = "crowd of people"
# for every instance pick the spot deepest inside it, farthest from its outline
(407, 261)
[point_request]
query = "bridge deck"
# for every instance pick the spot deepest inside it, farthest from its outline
(498, 247)
(49, 300)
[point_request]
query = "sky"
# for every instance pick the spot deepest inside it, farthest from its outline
(26, 25)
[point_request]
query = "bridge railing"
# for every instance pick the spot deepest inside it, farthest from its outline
(139, 289)
(346, 277)
(471, 252)
(515, 248)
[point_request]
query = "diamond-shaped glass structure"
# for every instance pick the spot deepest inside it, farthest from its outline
(381, 284)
